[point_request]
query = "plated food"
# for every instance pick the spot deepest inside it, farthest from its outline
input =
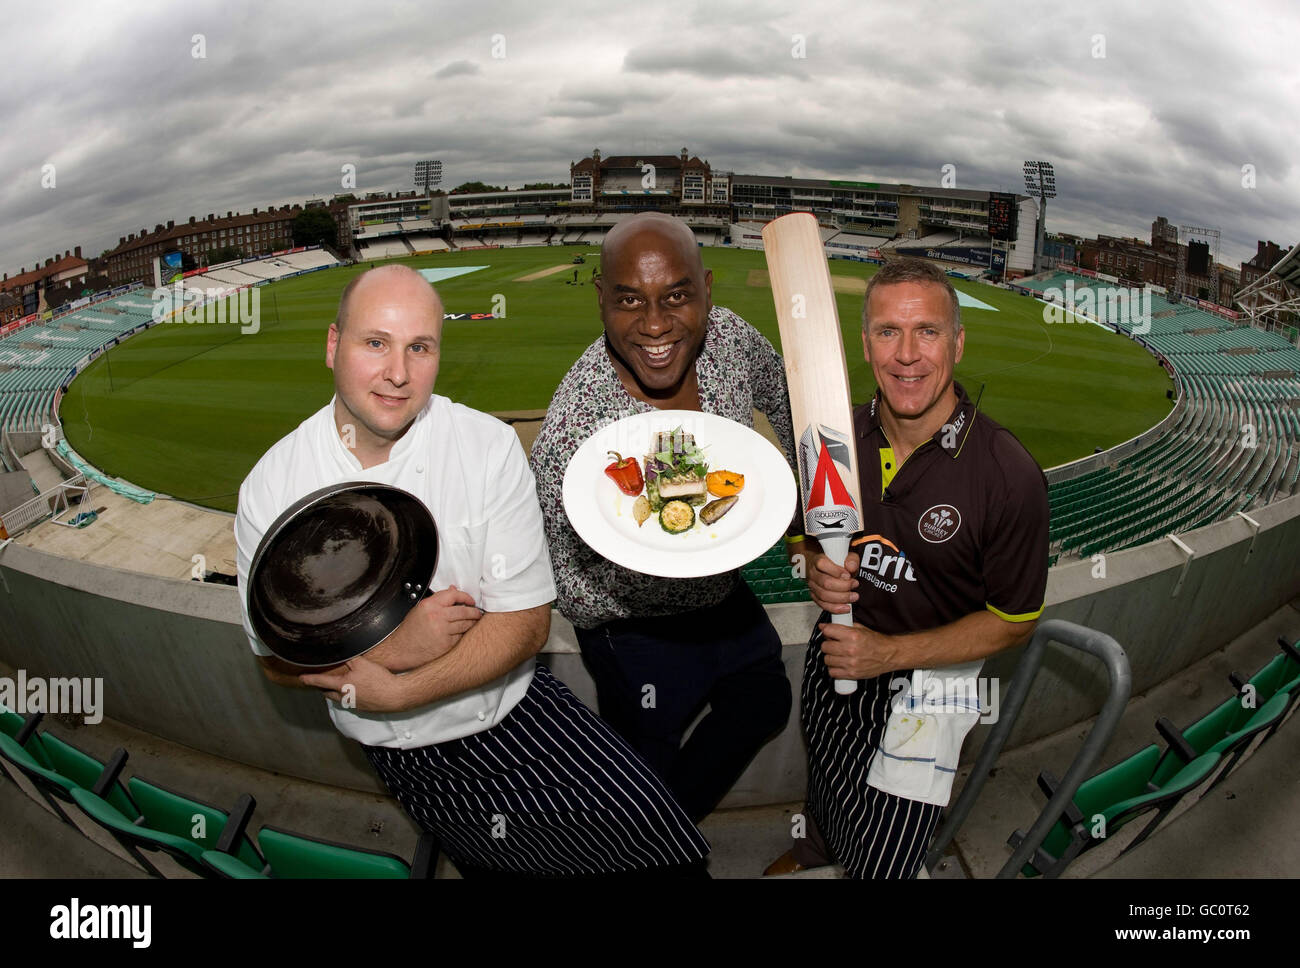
(676, 480)
(713, 494)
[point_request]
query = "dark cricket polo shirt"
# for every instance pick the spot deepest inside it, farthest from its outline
(960, 527)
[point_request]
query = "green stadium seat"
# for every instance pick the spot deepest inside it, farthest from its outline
(156, 820)
(11, 724)
(1276, 676)
(294, 855)
(1230, 731)
(42, 766)
(25, 761)
(1291, 679)
(225, 866)
(1115, 797)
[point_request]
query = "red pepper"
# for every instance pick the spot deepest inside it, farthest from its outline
(626, 473)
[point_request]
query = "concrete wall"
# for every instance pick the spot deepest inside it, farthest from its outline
(175, 663)
(15, 490)
(23, 442)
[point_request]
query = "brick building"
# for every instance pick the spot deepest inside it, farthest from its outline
(1267, 255)
(1133, 261)
(253, 234)
(29, 288)
(11, 308)
(677, 184)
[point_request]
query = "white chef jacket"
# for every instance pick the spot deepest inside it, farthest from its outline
(470, 471)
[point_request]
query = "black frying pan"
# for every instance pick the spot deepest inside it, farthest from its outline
(337, 572)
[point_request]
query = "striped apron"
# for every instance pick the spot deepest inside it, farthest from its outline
(872, 833)
(550, 790)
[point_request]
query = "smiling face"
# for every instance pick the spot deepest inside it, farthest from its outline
(913, 346)
(655, 297)
(384, 357)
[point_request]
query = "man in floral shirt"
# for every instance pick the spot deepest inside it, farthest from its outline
(696, 641)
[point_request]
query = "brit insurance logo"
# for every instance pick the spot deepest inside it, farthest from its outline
(882, 569)
(939, 523)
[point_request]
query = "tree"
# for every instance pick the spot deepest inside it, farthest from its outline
(470, 187)
(314, 226)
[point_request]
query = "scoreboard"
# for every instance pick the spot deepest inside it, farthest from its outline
(1003, 216)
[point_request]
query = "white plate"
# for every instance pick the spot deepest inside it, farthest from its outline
(601, 514)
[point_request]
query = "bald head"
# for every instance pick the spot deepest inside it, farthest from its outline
(655, 297)
(670, 232)
(394, 281)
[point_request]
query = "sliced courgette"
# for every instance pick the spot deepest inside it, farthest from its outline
(676, 517)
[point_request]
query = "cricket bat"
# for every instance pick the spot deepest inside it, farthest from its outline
(818, 380)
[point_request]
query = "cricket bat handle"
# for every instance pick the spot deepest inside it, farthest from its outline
(837, 549)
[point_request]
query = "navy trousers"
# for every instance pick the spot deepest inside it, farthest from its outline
(654, 675)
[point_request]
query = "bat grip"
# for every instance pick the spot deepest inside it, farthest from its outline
(837, 549)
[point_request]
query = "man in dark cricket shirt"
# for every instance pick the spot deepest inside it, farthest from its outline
(950, 567)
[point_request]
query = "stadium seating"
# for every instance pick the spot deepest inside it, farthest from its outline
(1108, 801)
(54, 769)
(772, 579)
(310, 259)
(848, 243)
(147, 820)
(1235, 445)
(1152, 780)
(43, 356)
(384, 249)
(427, 243)
(294, 855)
(159, 821)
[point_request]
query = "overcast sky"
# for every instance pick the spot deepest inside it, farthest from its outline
(1145, 109)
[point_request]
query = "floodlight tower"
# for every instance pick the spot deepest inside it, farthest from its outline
(1040, 182)
(428, 175)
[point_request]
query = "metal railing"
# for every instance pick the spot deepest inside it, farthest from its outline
(50, 503)
(1109, 652)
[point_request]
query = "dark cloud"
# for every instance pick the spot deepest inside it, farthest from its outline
(718, 60)
(460, 68)
(140, 131)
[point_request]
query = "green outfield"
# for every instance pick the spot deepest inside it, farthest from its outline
(186, 409)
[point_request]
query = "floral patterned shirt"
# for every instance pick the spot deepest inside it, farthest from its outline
(738, 372)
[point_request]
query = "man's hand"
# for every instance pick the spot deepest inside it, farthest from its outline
(832, 587)
(363, 685)
(430, 630)
(857, 652)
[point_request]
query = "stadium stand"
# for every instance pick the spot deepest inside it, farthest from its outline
(1235, 445)
(307, 259)
(851, 244)
(41, 357)
(384, 249)
(37, 360)
(427, 243)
